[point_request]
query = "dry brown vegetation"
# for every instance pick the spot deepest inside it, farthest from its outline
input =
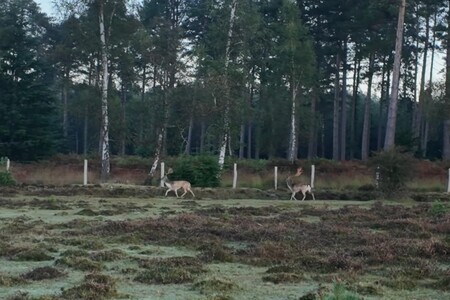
(97, 247)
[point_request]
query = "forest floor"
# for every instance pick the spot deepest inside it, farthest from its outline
(81, 246)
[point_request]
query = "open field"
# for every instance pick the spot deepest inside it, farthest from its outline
(91, 247)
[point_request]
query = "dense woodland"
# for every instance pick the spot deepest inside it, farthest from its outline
(247, 78)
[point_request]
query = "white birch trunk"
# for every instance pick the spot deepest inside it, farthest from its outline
(157, 153)
(292, 153)
(226, 117)
(105, 122)
(389, 141)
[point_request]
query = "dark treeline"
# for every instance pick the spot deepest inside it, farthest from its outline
(248, 78)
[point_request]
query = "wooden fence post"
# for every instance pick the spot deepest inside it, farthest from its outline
(85, 175)
(313, 174)
(161, 184)
(7, 164)
(235, 176)
(276, 177)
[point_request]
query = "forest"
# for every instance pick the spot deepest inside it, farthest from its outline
(256, 79)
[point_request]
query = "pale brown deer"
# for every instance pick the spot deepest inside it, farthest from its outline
(299, 187)
(176, 185)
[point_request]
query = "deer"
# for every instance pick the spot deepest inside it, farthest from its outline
(176, 185)
(299, 187)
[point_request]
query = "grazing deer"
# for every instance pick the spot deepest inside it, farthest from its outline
(299, 187)
(176, 185)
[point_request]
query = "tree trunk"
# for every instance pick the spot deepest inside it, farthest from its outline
(226, 117)
(123, 121)
(419, 128)
(249, 139)
(446, 139)
(241, 141)
(389, 141)
(250, 120)
(312, 143)
(187, 150)
(141, 114)
(202, 137)
(85, 131)
(343, 136)
(336, 110)
(356, 81)
(383, 99)
(424, 140)
(65, 104)
(292, 151)
(365, 144)
(104, 99)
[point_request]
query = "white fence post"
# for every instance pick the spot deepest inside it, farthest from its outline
(448, 183)
(85, 176)
(276, 177)
(235, 176)
(7, 164)
(313, 174)
(161, 184)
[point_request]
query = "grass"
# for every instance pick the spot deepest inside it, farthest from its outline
(168, 248)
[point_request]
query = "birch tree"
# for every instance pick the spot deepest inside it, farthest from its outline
(77, 7)
(296, 59)
(226, 116)
(104, 133)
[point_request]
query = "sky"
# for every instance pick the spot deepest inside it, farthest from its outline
(46, 6)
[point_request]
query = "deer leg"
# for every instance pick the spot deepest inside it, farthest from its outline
(304, 195)
(192, 193)
(293, 196)
(176, 193)
(185, 191)
(168, 190)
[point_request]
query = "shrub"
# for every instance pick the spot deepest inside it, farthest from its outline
(6, 179)
(438, 209)
(198, 170)
(395, 168)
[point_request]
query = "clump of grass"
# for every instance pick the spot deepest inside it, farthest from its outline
(87, 212)
(87, 243)
(164, 275)
(171, 270)
(403, 283)
(76, 253)
(79, 263)
(215, 285)
(215, 251)
(42, 273)
(438, 209)
(95, 286)
(6, 179)
(443, 283)
(7, 280)
(283, 278)
(340, 292)
(107, 255)
(33, 254)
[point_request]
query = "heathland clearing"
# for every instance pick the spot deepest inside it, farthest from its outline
(81, 246)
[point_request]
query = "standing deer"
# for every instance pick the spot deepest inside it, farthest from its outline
(176, 185)
(299, 187)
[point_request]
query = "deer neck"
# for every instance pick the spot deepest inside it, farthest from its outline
(167, 182)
